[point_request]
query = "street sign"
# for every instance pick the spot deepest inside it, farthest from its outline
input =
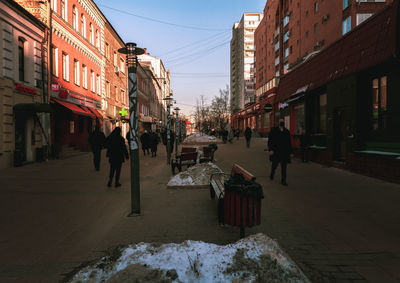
(267, 108)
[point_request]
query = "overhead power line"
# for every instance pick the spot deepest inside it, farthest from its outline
(159, 21)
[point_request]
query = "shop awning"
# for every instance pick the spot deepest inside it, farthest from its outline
(87, 109)
(33, 107)
(74, 108)
(96, 113)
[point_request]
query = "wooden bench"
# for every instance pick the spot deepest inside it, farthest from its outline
(217, 186)
(208, 154)
(188, 157)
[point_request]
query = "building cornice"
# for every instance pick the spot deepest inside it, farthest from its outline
(71, 39)
(93, 12)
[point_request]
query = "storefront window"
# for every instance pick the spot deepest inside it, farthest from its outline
(71, 127)
(379, 103)
(298, 118)
(322, 113)
(266, 120)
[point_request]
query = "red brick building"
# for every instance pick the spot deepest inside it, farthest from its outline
(291, 32)
(116, 81)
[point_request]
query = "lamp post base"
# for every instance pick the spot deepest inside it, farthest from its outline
(134, 214)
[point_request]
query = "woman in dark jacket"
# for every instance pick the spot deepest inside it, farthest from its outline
(116, 153)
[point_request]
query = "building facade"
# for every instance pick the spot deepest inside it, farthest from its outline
(242, 61)
(290, 33)
(116, 82)
(22, 92)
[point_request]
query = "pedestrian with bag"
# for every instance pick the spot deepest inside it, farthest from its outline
(116, 153)
(280, 149)
(96, 142)
(247, 135)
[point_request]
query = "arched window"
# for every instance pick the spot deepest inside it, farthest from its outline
(75, 17)
(21, 58)
(97, 39)
(63, 8)
(91, 39)
(83, 25)
(54, 5)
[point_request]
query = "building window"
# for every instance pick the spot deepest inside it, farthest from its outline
(315, 28)
(115, 59)
(379, 103)
(108, 89)
(75, 18)
(346, 3)
(84, 76)
(116, 93)
(287, 52)
(277, 61)
(97, 39)
(316, 7)
(55, 61)
(277, 46)
(322, 113)
(362, 17)
(21, 58)
(54, 5)
(92, 81)
(291, 49)
(346, 25)
(83, 25)
(65, 63)
(76, 72)
(71, 127)
(123, 97)
(107, 51)
(63, 10)
(98, 83)
(286, 36)
(122, 65)
(285, 21)
(306, 34)
(91, 34)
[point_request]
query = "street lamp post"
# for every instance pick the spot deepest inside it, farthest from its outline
(132, 52)
(177, 132)
(169, 102)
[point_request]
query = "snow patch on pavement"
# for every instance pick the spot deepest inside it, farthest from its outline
(198, 174)
(256, 258)
(198, 137)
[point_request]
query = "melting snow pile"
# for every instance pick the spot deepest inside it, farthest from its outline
(254, 259)
(198, 137)
(198, 174)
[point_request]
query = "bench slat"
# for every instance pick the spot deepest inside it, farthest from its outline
(246, 174)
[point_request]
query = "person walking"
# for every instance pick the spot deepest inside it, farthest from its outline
(96, 142)
(247, 134)
(280, 149)
(154, 140)
(116, 153)
(145, 141)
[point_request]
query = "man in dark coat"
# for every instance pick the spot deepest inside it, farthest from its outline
(247, 134)
(116, 153)
(96, 142)
(280, 149)
(145, 141)
(154, 140)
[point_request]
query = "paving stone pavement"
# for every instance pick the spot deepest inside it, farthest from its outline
(337, 226)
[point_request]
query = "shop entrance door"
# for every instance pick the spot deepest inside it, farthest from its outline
(339, 130)
(20, 140)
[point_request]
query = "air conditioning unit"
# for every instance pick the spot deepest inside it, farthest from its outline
(116, 69)
(325, 18)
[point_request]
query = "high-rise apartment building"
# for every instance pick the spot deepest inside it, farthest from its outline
(242, 61)
(292, 31)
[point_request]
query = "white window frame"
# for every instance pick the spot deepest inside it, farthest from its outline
(65, 63)
(84, 77)
(75, 21)
(97, 39)
(83, 27)
(91, 33)
(93, 81)
(122, 65)
(54, 5)
(98, 83)
(77, 72)
(55, 61)
(361, 17)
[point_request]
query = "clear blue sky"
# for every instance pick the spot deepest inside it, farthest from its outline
(186, 52)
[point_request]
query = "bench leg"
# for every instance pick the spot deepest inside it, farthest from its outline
(173, 168)
(221, 211)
